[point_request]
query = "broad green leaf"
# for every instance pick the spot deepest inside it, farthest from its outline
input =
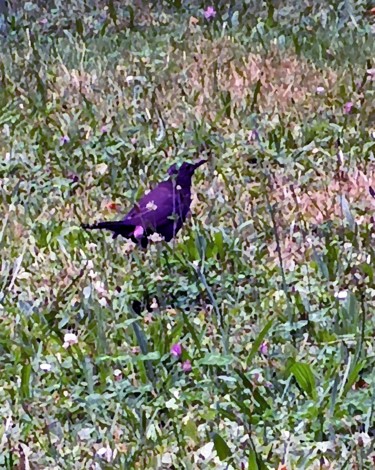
(252, 463)
(305, 378)
(221, 447)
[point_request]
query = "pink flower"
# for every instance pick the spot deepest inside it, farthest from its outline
(186, 366)
(263, 348)
(176, 350)
(138, 231)
(209, 13)
(104, 129)
(348, 107)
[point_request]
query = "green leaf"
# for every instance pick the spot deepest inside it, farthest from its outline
(252, 463)
(221, 447)
(353, 376)
(25, 380)
(215, 360)
(151, 356)
(305, 378)
(255, 462)
(191, 431)
(258, 341)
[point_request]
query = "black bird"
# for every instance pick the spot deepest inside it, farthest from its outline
(163, 210)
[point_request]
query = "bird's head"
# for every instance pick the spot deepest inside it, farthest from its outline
(185, 171)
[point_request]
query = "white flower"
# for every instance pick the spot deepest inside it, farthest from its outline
(320, 90)
(207, 451)
(106, 453)
(101, 168)
(172, 404)
(362, 439)
(117, 374)
(151, 206)
(156, 237)
(69, 340)
(166, 458)
(154, 304)
(341, 295)
(45, 366)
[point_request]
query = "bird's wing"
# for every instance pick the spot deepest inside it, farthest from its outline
(154, 208)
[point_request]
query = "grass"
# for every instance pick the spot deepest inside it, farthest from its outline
(268, 288)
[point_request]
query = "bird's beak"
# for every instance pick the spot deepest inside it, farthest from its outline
(198, 164)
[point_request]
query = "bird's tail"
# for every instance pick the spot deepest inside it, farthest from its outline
(115, 226)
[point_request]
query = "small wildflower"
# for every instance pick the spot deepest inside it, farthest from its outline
(252, 136)
(156, 237)
(69, 340)
(348, 107)
(44, 366)
(263, 349)
(101, 168)
(138, 231)
(172, 404)
(371, 74)
(117, 374)
(166, 458)
(43, 21)
(128, 246)
(151, 206)
(64, 139)
(209, 13)
(186, 366)
(320, 90)
(176, 350)
(104, 129)
(106, 453)
(363, 439)
(113, 206)
(206, 451)
(341, 295)
(154, 304)
(133, 140)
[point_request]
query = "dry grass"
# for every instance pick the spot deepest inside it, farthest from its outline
(196, 79)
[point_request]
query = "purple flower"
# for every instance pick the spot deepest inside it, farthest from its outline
(263, 348)
(186, 366)
(64, 139)
(209, 13)
(176, 350)
(104, 129)
(348, 107)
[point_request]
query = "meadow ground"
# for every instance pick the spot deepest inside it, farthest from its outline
(248, 342)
